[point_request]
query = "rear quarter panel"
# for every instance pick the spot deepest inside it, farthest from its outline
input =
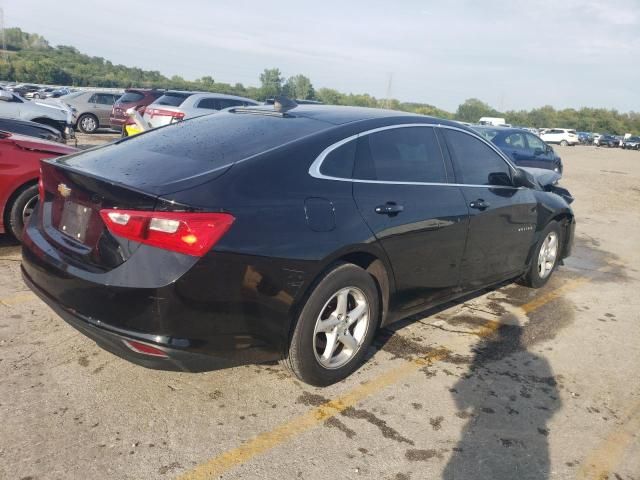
(17, 168)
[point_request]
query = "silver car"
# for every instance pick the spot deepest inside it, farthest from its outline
(92, 108)
(176, 105)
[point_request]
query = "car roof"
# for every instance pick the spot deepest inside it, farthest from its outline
(339, 115)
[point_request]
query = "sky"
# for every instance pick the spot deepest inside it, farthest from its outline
(512, 54)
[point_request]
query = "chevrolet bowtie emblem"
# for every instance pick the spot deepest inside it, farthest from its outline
(64, 190)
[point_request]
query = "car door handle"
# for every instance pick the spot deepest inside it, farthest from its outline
(389, 208)
(480, 204)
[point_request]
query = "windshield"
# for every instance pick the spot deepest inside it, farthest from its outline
(487, 133)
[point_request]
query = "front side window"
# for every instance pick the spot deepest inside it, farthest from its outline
(408, 154)
(476, 162)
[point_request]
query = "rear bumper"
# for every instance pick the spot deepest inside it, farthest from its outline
(201, 321)
(182, 354)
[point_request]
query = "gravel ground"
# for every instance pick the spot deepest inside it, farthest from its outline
(527, 384)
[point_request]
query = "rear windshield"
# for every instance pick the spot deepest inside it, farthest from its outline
(129, 97)
(155, 160)
(172, 99)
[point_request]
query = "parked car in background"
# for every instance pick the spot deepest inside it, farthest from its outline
(609, 141)
(523, 147)
(31, 129)
(19, 169)
(57, 116)
(93, 108)
(364, 217)
(132, 97)
(23, 89)
(58, 92)
(177, 105)
(632, 143)
(585, 138)
(41, 93)
(596, 138)
(561, 136)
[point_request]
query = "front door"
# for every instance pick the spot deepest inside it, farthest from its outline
(401, 189)
(503, 218)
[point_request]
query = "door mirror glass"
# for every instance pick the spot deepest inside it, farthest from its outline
(5, 96)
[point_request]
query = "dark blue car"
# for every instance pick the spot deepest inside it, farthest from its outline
(523, 147)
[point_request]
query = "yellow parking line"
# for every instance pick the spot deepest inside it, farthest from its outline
(607, 456)
(553, 294)
(282, 433)
(17, 298)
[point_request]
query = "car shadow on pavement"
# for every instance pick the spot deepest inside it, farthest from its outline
(507, 397)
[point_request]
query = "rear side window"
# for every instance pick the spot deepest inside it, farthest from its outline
(406, 154)
(476, 163)
(129, 97)
(219, 103)
(172, 99)
(515, 140)
(339, 163)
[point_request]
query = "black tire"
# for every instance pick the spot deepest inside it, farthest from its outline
(300, 358)
(18, 210)
(564, 143)
(532, 277)
(88, 123)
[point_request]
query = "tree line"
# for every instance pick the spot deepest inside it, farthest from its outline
(30, 58)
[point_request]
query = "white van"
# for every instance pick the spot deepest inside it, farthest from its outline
(495, 121)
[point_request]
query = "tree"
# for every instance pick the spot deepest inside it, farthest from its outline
(271, 83)
(300, 87)
(473, 109)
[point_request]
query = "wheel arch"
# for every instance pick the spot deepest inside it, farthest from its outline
(371, 261)
(12, 198)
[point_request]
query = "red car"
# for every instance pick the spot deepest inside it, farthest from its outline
(19, 169)
(133, 97)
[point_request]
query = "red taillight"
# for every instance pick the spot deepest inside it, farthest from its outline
(189, 233)
(160, 112)
(145, 349)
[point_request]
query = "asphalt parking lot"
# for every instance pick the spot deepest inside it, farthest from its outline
(536, 384)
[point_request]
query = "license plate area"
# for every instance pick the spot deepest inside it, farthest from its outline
(75, 221)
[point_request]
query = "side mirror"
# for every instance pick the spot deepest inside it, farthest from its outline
(5, 96)
(522, 179)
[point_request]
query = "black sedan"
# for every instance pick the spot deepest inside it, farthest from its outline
(257, 234)
(524, 148)
(609, 141)
(631, 143)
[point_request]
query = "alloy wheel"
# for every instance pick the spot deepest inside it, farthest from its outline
(548, 254)
(341, 327)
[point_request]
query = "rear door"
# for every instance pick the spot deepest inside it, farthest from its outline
(103, 105)
(503, 218)
(402, 191)
(515, 145)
